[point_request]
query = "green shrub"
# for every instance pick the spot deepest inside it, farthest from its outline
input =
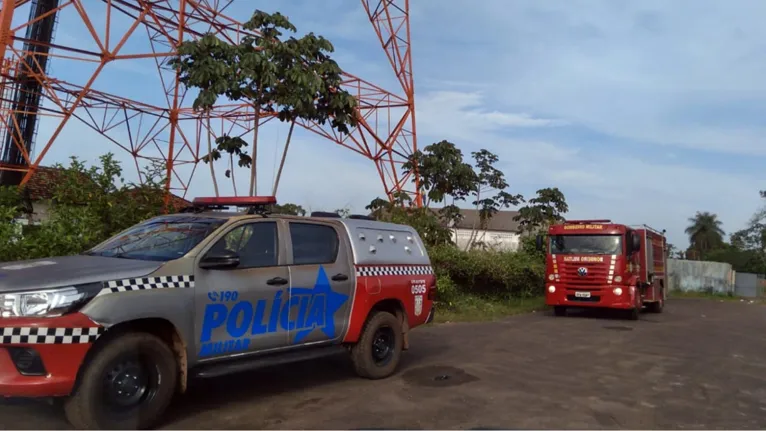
(89, 205)
(502, 275)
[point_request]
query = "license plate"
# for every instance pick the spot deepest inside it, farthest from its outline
(582, 294)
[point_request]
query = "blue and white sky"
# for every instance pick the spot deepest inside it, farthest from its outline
(639, 111)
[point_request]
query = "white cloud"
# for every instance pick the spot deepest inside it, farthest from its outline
(628, 69)
(599, 184)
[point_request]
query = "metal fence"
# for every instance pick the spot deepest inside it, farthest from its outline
(749, 285)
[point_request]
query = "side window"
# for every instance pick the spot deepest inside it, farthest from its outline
(256, 243)
(313, 243)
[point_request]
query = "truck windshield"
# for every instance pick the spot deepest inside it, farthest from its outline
(586, 244)
(159, 239)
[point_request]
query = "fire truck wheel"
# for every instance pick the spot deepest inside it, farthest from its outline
(128, 384)
(656, 307)
(560, 310)
(634, 313)
(376, 354)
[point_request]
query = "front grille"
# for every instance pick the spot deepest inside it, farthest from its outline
(596, 277)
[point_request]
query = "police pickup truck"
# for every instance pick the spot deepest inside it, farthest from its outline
(119, 329)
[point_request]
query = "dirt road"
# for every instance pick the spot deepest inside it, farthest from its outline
(701, 364)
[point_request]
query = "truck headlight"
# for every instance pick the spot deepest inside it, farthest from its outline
(47, 303)
(617, 291)
(552, 289)
(618, 279)
(550, 277)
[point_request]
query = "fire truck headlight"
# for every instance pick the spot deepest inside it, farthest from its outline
(551, 289)
(550, 277)
(618, 279)
(617, 291)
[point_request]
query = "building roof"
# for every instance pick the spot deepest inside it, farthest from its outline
(42, 183)
(502, 220)
(41, 186)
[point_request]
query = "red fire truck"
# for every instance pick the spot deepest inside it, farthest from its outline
(597, 263)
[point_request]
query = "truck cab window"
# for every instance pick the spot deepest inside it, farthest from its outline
(256, 244)
(313, 244)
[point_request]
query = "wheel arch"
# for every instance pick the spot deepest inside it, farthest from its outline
(160, 327)
(390, 305)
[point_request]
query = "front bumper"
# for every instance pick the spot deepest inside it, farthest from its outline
(61, 344)
(601, 297)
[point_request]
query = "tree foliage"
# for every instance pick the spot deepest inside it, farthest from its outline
(546, 208)
(746, 249)
(446, 178)
(89, 205)
(294, 78)
(289, 209)
(705, 233)
(442, 173)
(425, 221)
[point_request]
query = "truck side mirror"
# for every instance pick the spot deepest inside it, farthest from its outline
(539, 242)
(635, 242)
(221, 260)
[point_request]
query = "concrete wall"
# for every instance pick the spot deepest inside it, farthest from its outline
(40, 211)
(497, 240)
(697, 276)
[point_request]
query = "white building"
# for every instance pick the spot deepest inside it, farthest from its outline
(501, 233)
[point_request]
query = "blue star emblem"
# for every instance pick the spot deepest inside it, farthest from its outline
(332, 301)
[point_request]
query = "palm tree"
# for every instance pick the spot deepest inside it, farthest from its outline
(705, 232)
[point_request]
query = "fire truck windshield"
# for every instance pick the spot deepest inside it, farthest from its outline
(586, 244)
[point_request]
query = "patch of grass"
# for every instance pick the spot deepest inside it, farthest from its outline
(472, 308)
(710, 295)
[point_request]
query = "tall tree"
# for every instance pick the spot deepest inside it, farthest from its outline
(295, 79)
(442, 172)
(705, 233)
(546, 208)
(489, 193)
(446, 178)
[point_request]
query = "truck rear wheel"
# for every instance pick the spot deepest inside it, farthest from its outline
(376, 355)
(128, 384)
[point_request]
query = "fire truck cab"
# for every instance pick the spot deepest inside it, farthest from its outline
(597, 263)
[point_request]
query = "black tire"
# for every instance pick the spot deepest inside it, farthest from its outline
(658, 306)
(149, 360)
(560, 311)
(369, 361)
(634, 313)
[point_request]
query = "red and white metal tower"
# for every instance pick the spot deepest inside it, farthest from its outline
(149, 131)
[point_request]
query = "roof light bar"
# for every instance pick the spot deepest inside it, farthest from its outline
(235, 201)
(587, 221)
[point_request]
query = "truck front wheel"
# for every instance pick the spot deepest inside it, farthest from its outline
(128, 384)
(560, 310)
(376, 355)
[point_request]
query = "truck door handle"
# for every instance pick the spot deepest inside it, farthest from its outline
(339, 277)
(276, 281)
